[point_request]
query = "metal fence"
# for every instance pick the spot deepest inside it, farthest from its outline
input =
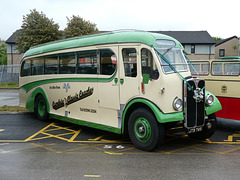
(9, 73)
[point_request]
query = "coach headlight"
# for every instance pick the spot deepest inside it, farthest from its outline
(209, 99)
(177, 104)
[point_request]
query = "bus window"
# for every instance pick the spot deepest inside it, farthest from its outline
(26, 68)
(148, 66)
(226, 68)
(37, 66)
(231, 68)
(201, 67)
(67, 63)
(107, 62)
(51, 64)
(87, 62)
(129, 61)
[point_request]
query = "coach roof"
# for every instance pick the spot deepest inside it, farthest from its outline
(133, 36)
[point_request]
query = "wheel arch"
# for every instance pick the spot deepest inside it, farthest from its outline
(31, 105)
(134, 104)
(156, 111)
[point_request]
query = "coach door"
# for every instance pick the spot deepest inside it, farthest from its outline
(108, 86)
(129, 76)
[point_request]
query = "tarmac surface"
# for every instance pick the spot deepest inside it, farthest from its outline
(32, 149)
(9, 97)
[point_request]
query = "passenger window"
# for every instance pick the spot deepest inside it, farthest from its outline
(51, 64)
(130, 62)
(201, 67)
(26, 68)
(226, 68)
(67, 63)
(87, 62)
(37, 66)
(231, 68)
(148, 65)
(108, 62)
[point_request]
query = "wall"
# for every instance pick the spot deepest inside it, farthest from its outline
(13, 57)
(202, 52)
(228, 46)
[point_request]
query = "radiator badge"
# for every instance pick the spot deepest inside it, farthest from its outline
(224, 89)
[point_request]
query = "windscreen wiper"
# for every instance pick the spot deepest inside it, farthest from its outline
(167, 51)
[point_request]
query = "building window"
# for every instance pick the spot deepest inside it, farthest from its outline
(221, 52)
(192, 49)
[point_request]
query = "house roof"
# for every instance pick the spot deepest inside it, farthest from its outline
(225, 40)
(190, 37)
(12, 38)
(184, 37)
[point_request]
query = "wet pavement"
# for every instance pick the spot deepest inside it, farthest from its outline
(31, 149)
(9, 97)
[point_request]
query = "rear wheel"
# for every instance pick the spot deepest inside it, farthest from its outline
(208, 129)
(41, 108)
(144, 130)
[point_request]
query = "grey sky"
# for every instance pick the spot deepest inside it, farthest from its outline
(219, 18)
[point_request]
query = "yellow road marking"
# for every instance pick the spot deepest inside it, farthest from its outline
(231, 150)
(75, 135)
(95, 176)
(34, 146)
(97, 138)
(10, 141)
(58, 136)
(230, 138)
(30, 138)
(112, 153)
(186, 147)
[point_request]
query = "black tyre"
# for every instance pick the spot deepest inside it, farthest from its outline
(41, 108)
(144, 130)
(208, 129)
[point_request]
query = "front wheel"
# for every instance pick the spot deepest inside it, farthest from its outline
(144, 130)
(41, 108)
(208, 129)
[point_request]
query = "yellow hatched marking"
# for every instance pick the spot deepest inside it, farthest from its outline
(57, 136)
(97, 138)
(46, 131)
(75, 135)
(31, 137)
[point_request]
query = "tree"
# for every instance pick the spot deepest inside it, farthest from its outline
(36, 29)
(3, 53)
(216, 39)
(77, 26)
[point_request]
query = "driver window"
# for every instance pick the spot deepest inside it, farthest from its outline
(130, 62)
(148, 65)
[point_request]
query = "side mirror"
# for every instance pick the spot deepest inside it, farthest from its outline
(146, 78)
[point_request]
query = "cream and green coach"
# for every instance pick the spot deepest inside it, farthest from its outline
(134, 83)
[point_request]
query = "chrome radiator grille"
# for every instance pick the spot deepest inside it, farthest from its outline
(194, 103)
